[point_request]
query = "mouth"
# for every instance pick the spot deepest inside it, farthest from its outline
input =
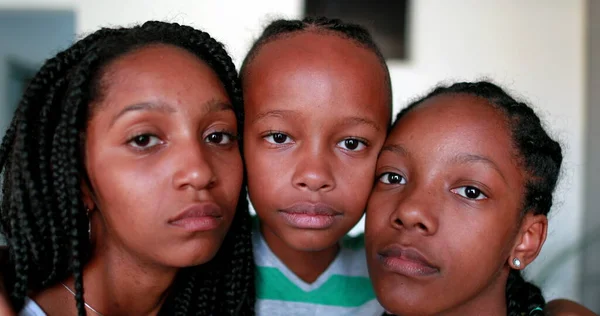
(406, 261)
(306, 215)
(199, 217)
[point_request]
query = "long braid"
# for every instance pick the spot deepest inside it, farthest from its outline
(41, 159)
(45, 183)
(523, 296)
(31, 196)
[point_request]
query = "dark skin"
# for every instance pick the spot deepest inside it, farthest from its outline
(316, 117)
(562, 307)
(159, 143)
(446, 212)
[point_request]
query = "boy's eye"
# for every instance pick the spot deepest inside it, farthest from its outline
(220, 138)
(278, 138)
(470, 192)
(352, 144)
(392, 178)
(145, 141)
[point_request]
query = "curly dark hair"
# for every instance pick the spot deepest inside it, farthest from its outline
(354, 32)
(541, 158)
(42, 211)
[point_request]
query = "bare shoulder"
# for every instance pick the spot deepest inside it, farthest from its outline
(564, 307)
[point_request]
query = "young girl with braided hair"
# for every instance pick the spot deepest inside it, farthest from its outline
(465, 183)
(122, 176)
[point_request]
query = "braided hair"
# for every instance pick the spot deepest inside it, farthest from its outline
(354, 32)
(42, 212)
(541, 158)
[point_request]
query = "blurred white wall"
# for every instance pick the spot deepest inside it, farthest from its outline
(534, 48)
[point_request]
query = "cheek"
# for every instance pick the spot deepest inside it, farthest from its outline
(355, 181)
(268, 172)
(128, 188)
(473, 247)
(378, 212)
(229, 170)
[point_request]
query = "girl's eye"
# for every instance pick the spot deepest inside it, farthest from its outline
(470, 192)
(352, 144)
(145, 141)
(278, 138)
(392, 178)
(219, 138)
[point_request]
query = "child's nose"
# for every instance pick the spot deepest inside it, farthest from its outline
(314, 174)
(416, 212)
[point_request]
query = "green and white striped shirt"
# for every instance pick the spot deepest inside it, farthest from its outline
(343, 289)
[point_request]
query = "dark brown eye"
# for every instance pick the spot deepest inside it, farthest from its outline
(215, 138)
(220, 138)
(352, 144)
(144, 141)
(277, 138)
(470, 192)
(392, 178)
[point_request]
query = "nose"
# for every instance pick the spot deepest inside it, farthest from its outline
(314, 169)
(193, 168)
(416, 211)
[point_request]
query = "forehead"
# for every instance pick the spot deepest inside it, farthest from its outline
(166, 60)
(319, 64)
(449, 124)
(315, 50)
(159, 71)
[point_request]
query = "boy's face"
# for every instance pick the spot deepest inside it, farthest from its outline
(316, 117)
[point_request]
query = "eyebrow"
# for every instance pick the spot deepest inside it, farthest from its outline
(472, 158)
(396, 149)
(216, 105)
(274, 113)
(213, 105)
(355, 120)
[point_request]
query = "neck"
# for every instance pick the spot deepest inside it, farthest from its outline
(306, 265)
(116, 283)
(488, 301)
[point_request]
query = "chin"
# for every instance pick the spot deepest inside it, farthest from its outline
(192, 254)
(401, 302)
(307, 240)
(397, 306)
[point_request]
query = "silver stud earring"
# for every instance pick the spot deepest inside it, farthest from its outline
(517, 262)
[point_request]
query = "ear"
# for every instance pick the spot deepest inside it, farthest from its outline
(529, 240)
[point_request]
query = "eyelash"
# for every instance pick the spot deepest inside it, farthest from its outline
(271, 134)
(131, 142)
(232, 138)
(388, 174)
(465, 187)
(361, 141)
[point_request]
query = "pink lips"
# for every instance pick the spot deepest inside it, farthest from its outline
(406, 261)
(306, 215)
(199, 217)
